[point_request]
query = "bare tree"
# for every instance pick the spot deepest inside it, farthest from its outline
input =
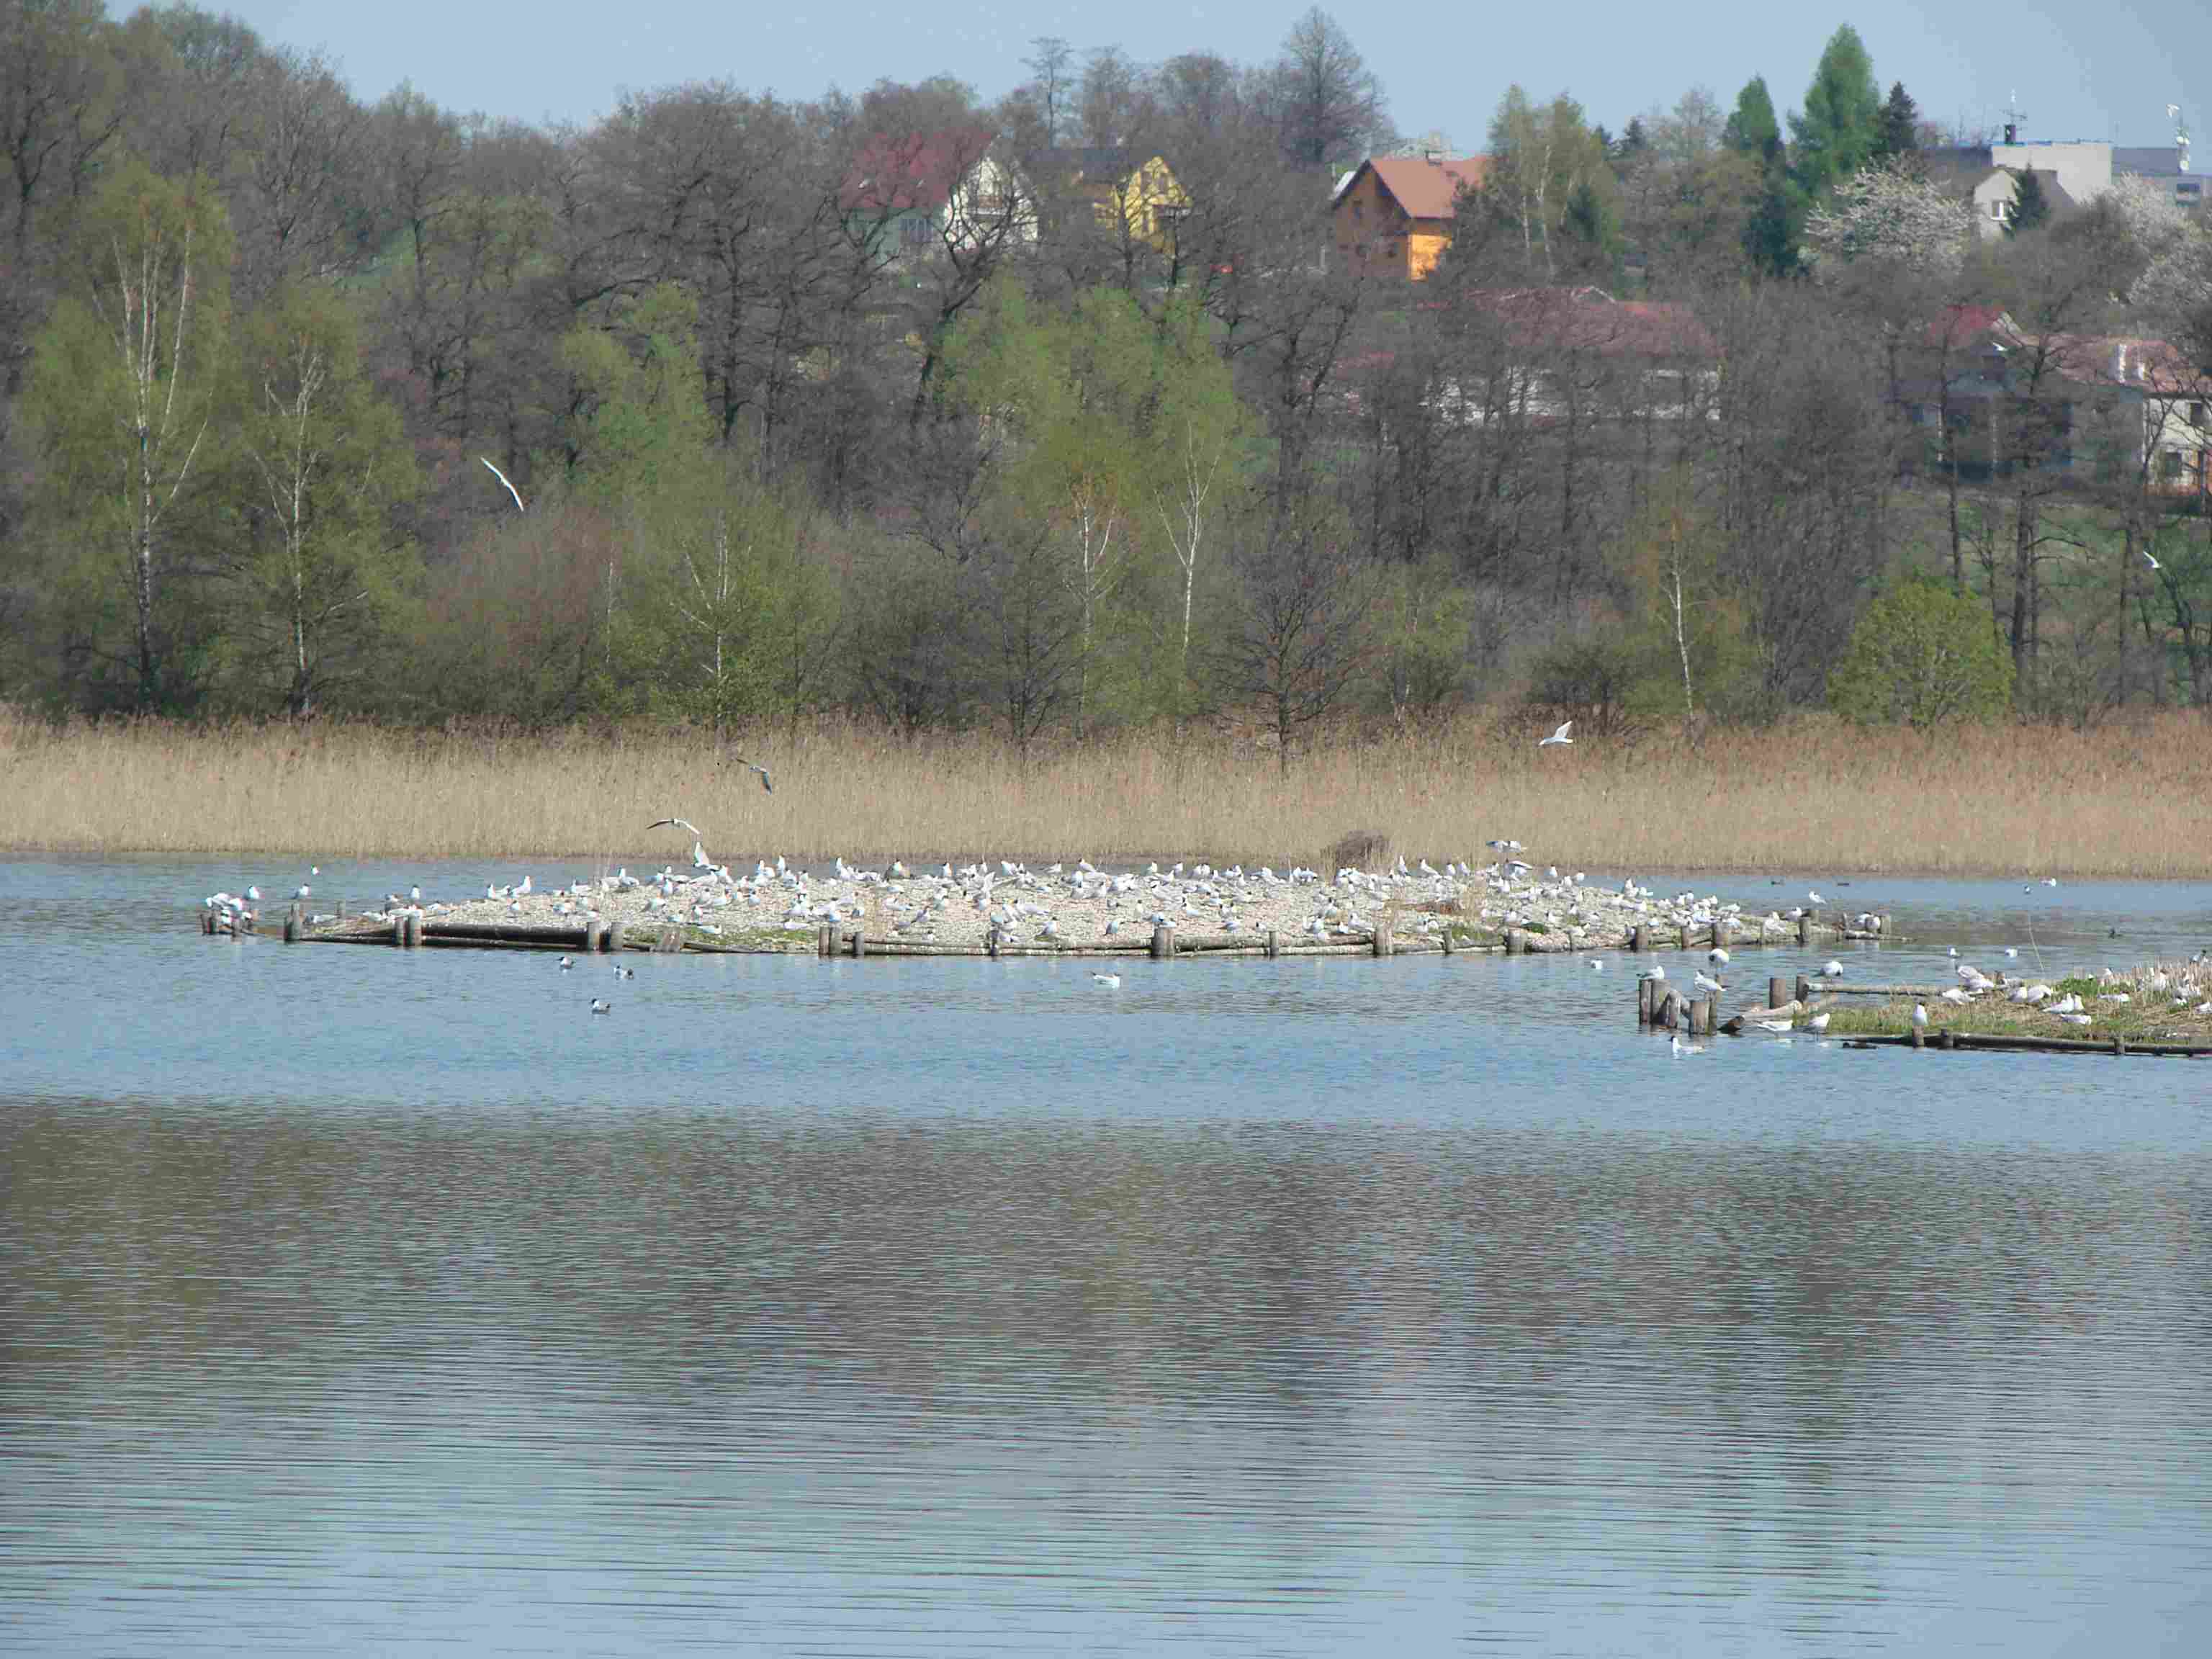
(1301, 643)
(300, 130)
(1051, 62)
(1325, 103)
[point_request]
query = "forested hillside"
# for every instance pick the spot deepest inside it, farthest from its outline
(311, 405)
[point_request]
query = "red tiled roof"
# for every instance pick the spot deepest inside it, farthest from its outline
(1426, 188)
(1538, 319)
(918, 172)
(1960, 324)
(2149, 366)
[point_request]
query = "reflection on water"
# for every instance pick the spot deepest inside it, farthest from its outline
(363, 1299)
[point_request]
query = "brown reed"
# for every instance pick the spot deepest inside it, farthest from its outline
(2134, 799)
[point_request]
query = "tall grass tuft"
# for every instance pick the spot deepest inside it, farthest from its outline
(2134, 801)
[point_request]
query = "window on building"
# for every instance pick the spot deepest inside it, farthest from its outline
(2189, 189)
(2196, 415)
(2169, 465)
(915, 231)
(1359, 209)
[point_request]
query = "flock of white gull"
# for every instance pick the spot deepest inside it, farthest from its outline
(1083, 904)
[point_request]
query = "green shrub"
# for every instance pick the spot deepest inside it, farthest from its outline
(1922, 656)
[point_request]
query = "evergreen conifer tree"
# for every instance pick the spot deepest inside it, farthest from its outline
(2031, 208)
(1900, 124)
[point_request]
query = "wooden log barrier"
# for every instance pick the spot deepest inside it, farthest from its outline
(500, 933)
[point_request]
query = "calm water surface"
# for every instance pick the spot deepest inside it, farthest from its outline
(361, 1300)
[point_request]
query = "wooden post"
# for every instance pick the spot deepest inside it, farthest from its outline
(1805, 927)
(400, 931)
(595, 937)
(1640, 940)
(991, 940)
(1382, 946)
(1919, 1037)
(1712, 1012)
(1512, 942)
(1775, 990)
(1274, 949)
(1881, 924)
(824, 934)
(414, 929)
(1723, 933)
(859, 942)
(1804, 988)
(207, 922)
(1446, 936)
(342, 913)
(1670, 1009)
(292, 925)
(1644, 998)
(1944, 1040)
(1162, 941)
(614, 937)
(2119, 1045)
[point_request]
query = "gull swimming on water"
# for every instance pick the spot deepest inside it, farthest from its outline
(600, 1005)
(1559, 736)
(1109, 980)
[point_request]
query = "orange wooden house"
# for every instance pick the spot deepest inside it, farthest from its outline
(1394, 213)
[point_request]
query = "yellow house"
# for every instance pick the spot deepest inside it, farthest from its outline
(1395, 213)
(1143, 197)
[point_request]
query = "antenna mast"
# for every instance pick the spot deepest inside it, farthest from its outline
(2180, 134)
(2015, 117)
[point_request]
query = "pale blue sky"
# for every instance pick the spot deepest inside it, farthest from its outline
(2081, 70)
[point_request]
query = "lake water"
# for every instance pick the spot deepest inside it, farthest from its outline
(368, 1300)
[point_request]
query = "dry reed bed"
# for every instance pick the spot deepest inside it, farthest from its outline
(2133, 800)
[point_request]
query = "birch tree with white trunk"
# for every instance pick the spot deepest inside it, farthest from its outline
(124, 384)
